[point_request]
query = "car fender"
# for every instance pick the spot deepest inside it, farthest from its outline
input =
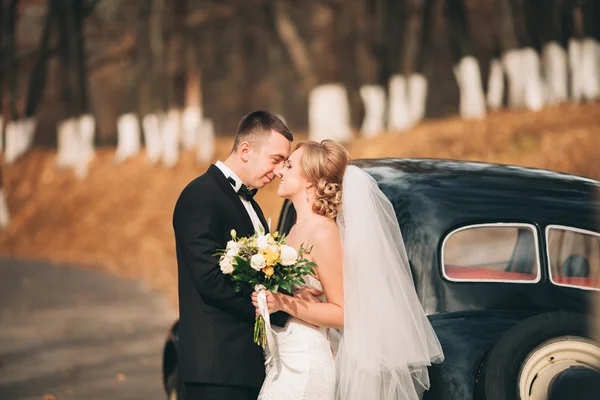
(465, 338)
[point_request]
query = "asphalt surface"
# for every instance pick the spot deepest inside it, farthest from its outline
(78, 334)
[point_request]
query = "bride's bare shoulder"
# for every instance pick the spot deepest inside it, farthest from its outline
(325, 232)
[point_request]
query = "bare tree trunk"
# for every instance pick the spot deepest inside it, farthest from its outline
(466, 66)
(156, 43)
(424, 57)
(329, 105)
(73, 92)
(324, 49)
(175, 61)
(38, 76)
(295, 45)
(3, 24)
(128, 123)
(79, 59)
(412, 34)
(210, 74)
(524, 37)
(368, 71)
(144, 63)
(10, 60)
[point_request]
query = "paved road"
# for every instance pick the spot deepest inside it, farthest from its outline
(78, 334)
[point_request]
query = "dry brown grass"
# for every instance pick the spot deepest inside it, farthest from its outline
(119, 218)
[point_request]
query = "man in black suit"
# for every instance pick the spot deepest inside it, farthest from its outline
(217, 358)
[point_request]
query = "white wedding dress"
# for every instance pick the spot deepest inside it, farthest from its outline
(387, 342)
(302, 365)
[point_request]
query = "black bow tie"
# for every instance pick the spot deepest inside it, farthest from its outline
(247, 194)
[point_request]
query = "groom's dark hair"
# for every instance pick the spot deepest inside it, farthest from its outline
(257, 125)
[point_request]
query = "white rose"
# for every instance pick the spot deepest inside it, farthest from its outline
(289, 256)
(226, 265)
(262, 242)
(233, 249)
(257, 262)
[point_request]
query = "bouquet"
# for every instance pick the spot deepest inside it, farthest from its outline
(263, 262)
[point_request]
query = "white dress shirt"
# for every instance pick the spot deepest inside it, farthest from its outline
(238, 184)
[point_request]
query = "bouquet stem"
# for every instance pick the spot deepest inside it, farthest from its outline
(260, 334)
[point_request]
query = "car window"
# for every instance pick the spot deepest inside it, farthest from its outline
(573, 256)
(492, 253)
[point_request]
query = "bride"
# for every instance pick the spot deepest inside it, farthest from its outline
(368, 295)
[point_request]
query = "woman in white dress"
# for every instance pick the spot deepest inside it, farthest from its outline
(362, 268)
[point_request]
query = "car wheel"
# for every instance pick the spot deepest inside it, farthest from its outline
(524, 361)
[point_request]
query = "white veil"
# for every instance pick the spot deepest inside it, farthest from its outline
(387, 342)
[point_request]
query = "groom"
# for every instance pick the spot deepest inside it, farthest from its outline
(217, 356)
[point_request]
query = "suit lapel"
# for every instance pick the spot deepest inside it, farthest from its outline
(260, 214)
(232, 195)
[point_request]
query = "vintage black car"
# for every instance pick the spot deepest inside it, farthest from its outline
(506, 262)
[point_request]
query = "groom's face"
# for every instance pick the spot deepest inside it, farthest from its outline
(265, 160)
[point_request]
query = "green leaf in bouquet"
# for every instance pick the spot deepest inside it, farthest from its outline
(241, 262)
(298, 281)
(240, 277)
(286, 286)
(281, 239)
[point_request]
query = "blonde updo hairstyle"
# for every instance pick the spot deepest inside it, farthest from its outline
(324, 164)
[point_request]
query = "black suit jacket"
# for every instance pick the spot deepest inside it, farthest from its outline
(216, 324)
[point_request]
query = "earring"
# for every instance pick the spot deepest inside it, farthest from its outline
(307, 199)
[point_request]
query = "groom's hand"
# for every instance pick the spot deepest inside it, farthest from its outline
(273, 301)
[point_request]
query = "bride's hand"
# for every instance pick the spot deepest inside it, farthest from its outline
(308, 294)
(273, 301)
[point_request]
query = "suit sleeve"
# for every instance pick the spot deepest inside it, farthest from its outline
(279, 318)
(199, 234)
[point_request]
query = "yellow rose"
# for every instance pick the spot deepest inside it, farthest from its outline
(268, 271)
(271, 255)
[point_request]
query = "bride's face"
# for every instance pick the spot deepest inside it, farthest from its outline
(292, 181)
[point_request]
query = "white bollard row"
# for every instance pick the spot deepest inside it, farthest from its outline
(205, 142)
(329, 113)
(495, 85)
(170, 138)
(468, 77)
(76, 143)
(417, 97)
(152, 125)
(191, 121)
(373, 97)
(554, 65)
(4, 214)
(590, 69)
(128, 137)
(19, 137)
(398, 112)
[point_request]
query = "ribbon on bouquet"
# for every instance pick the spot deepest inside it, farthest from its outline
(264, 311)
